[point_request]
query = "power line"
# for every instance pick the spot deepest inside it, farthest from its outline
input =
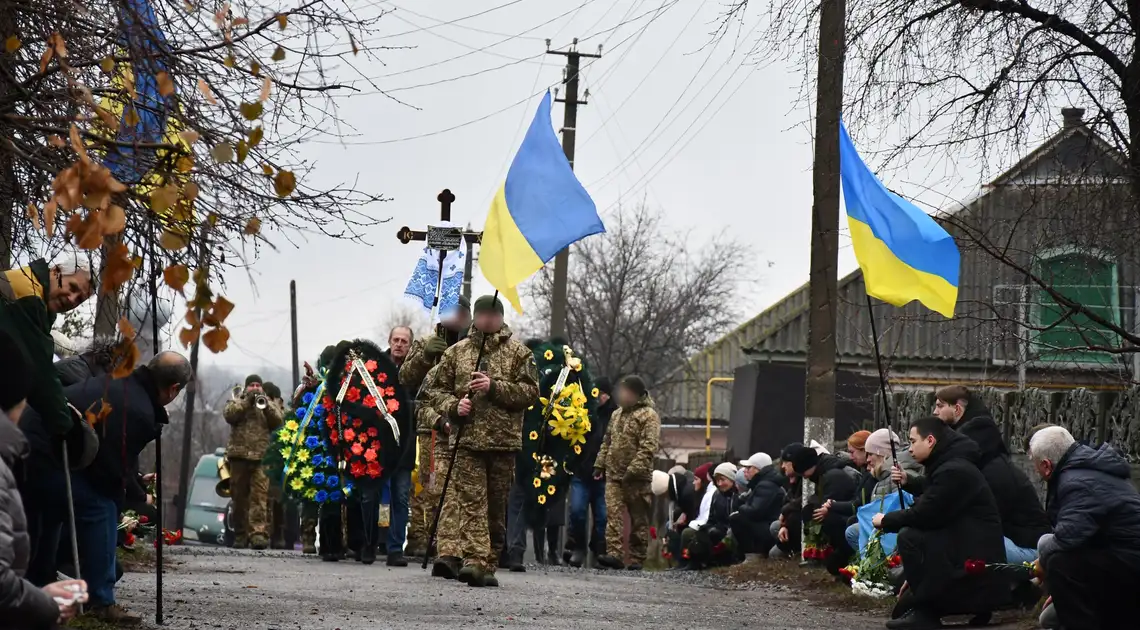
(485, 50)
(455, 22)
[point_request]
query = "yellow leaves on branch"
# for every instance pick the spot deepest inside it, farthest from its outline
(252, 111)
(222, 152)
(125, 355)
(12, 44)
(282, 21)
(89, 185)
(284, 183)
(55, 48)
(176, 277)
(215, 313)
(118, 268)
(278, 54)
(207, 92)
(253, 226)
(165, 84)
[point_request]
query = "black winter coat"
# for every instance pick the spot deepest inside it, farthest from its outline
(1023, 519)
(835, 480)
(22, 605)
(793, 500)
(958, 517)
(719, 512)
(598, 425)
(1092, 503)
(131, 425)
(684, 497)
(762, 502)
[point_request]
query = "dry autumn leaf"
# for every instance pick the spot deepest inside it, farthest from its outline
(278, 54)
(107, 65)
(12, 44)
(255, 68)
(172, 241)
(176, 277)
(241, 21)
(164, 198)
(255, 136)
(190, 191)
(207, 92)
(242, 151)
(217, 340)
(126, 356)
(253, 226)
(189, 136)
(77, 144)
(131, 116)
(284, 183)
(56, 141)
(33, 214)
(118, 268)
(220, 310)
(251, 111)
(184, 163)
(282, 21)
(352, 40)
(114, 220)
(126, 329)
(187, 336)
(267, 170)
(165, 84)
(49, 216)
(108, 119)
(222, 152)
(229, 61)
(84, 229)
(266, 86)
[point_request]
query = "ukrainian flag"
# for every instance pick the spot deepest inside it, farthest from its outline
(905, 255)
(539, 210)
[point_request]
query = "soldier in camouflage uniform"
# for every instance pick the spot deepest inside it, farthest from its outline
(277, 503)
(625, 461)
(486, 399)
(249, 438)
(430, 432)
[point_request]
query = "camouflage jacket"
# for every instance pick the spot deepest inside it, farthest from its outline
(416, 365)
(250, 428)
(426, 414)
(631, 443)
(496, 418)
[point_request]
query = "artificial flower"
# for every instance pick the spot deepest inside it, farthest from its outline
(357, 469)
(594, 392)
(537, 482)
(542, 499)
(307, 398)
(393, 405)
(333, 481)
(357, 449)
(301, 412)
(321, 496)
(577, 449)
(370, 365)
(353, 394)
(374, 469)
(319, 479)
(548, 355)
(296, 484)
(312, 442)
(561, 426)
(370, 454)
(370, 401)
(349, 435)
(292, 425)
(533, 435)
(306, 473)
(382, 378)
(336, 496)
(311, 494)
(302, 455)
(373, 431)
(550, 490)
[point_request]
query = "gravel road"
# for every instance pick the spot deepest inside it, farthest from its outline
(222, 588)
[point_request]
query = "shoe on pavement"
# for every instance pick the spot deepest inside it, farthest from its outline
(259, 542)
(241, 544)
(397, 560)
(577, 559)
(552, 559)
(367, 554)
(915, 619)
(516, 563)
(609, 562)
(473, 575)
(636, 566)
(115, 615)
(446, 568)
(309, 549)
(490, 580)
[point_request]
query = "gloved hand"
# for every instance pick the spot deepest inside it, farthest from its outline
(435, 347)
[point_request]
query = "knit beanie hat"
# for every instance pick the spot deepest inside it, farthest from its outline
(17, 378)
(702, 472)
(725, 470)
(488, 303)
(879, 443)
(741, 481)
(634, 384)
(464, 303)
(786, 454)
(271, 390)
(604, 385)
(660, 483)
(251, 379)
(804, 459)
(858, 439)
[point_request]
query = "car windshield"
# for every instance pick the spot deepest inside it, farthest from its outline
(203, 493)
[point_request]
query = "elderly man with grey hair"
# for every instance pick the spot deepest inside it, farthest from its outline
(1091, 561)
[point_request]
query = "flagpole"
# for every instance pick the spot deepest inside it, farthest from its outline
(883, 388)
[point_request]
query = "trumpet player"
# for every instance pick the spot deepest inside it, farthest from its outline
(252, 418)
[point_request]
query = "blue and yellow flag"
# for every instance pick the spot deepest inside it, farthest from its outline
(540, 210)
(905, 255)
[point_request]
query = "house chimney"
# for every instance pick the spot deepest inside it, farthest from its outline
(1072, 116)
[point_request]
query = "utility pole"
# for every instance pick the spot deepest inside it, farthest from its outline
(293, 318)
(819, 403)
(569, 131)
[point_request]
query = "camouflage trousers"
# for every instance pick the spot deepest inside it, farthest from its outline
(249, 491)
(476, 507)
(426, 503)
(637, 500)
(309, 515)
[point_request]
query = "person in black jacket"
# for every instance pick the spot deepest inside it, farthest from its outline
(836, 479)
(135, 409)
(703, 544)
(759, 505)
(1023, 520)
(587, 493)
(400, 484)
(954, 520)
(1091, 561)
(787, 530)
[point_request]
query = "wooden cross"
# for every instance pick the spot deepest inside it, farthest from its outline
(445, 198)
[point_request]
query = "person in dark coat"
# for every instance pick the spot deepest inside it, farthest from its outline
(1023, 520)
(787, 530)
(836, 479)
(683, 494)
(759, 505)
(22, 605)
(399, 487)
(954, 520)
(703, 544)
(136, 409)
(586, 493)
(1091, 561)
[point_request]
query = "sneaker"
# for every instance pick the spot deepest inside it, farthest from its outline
(915, 619)
(116, 615)
(446, 568)
(397, 560)
(259, 542)
(610, 562)
(577, 559)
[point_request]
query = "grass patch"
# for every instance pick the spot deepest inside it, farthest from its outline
(89, 623)
(142, 558)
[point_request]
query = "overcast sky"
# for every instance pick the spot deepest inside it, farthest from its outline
(712, 138)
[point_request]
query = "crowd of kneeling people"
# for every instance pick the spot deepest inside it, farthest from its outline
(972, 539)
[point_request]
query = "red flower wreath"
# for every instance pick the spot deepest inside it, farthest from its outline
(353, 394)
(373, 431)
(382, 378)
(393, 405)
(370, 401)
(349, 435)
(370, 455)
(370, 365)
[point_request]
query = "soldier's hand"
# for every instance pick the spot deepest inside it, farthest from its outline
(480, 382)
(464, 407)
(599, 474)
(435, 347)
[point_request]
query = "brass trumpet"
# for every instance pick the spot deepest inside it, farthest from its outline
(223, 486)
(261, 402)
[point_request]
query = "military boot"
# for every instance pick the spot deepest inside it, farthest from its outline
(446, 567)
(473, 575)
(259, 542)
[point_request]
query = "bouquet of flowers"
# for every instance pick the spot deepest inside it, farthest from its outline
(816, 546)
(134, 526)
(870, 577)
(1024, 570)
(310, 470)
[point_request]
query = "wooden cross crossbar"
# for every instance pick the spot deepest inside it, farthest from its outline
(445, 198)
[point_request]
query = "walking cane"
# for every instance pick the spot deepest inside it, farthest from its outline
(71, 517)
(451, 464)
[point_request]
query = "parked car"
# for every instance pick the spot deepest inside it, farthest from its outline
(207, 517)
